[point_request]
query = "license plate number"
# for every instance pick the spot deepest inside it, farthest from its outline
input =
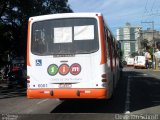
(65, 85)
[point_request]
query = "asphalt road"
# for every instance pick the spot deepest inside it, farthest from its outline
(138, 92)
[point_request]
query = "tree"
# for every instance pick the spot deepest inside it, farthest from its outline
(133, 54)
(144, 43)
(14, 15)
(158, 45)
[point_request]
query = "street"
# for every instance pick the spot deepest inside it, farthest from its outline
(137, 92)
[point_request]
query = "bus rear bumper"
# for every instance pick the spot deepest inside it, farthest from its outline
(67, 93)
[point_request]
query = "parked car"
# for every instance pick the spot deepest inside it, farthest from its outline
(139, 62)
(17, 78)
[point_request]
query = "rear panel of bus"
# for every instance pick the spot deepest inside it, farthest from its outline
(64, 57)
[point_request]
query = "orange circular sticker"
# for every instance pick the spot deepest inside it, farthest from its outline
(64, 69)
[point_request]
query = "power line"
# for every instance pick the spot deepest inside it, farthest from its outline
(153, 5)
(146, 6)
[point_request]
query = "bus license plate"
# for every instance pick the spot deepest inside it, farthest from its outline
(65, 85)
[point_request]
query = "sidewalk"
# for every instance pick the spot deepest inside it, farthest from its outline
(153, 70)
(155, 73)
(3, 81)
(3, 84)
(158, 70)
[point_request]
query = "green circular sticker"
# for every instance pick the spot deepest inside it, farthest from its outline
(52, 69)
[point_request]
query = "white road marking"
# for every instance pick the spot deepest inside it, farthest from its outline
(127, 102)
(154, 75)
(136, 76)
(42, 101)
(156, 101)
(144, 74)
(127, 112)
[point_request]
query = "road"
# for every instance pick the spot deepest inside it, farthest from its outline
(138, 92)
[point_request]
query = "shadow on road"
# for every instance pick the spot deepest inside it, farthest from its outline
(115, 105)
(144, 93)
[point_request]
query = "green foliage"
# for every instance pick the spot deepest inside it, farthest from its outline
(14, 16)
(133, 54)
(150, 50)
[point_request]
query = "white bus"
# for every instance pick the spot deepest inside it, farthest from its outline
(130, 61)
(71, 55)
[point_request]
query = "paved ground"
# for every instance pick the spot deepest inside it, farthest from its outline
(138, 92)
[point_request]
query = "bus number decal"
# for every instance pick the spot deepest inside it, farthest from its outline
(42, 85)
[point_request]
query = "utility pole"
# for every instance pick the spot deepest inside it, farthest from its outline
(153, 50)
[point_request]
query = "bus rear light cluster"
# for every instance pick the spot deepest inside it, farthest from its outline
(51, 93)
(104, 78)
(28, 79)
(83, 91)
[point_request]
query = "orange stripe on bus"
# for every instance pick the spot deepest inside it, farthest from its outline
(67, 93)
(28, 44)
(102, 41)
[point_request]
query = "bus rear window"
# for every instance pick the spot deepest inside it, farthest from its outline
(65, 36)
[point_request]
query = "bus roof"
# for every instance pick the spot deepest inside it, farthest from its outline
(63, 15)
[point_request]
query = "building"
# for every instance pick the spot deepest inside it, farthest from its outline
(150, 36)
(127, 36)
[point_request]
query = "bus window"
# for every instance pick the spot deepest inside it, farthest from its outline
(66, 36)
(39, 41)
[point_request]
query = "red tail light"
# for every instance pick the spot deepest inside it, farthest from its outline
(104, 78)
(28, 79)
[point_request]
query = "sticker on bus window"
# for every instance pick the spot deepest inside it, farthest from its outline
(62, 35)
(84, 32)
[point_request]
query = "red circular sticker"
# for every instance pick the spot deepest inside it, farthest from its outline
(75, 69)
(64, 69)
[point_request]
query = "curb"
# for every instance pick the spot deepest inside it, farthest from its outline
(3, 81)
(156, 70)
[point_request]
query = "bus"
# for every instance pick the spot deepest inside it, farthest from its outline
(130, 61)
(71, 55)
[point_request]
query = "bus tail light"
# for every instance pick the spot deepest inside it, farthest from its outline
(83, 92)
(28, 79)
(51, 93)
(104, 78)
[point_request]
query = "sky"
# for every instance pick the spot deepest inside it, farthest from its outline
(118, 12)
